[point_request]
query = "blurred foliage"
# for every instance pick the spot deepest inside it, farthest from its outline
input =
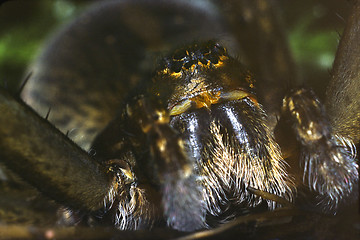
(313, 29)
(24, 25)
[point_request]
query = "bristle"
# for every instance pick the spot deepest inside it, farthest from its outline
(21, 88)
(332, 172)
(48, 114)
(237, 162)
(134, 211)
(184, 207)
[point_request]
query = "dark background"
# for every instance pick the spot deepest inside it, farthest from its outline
(312, 29)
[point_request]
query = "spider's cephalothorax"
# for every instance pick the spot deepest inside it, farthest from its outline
(207, 140)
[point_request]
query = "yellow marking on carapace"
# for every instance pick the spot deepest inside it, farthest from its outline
(235, 95)
(220, 63)
(180, 108)
(192, 68)
(206, 99)
(165, 71)
(238, 95)
(241, 94)
(176, 74)
(199, 63)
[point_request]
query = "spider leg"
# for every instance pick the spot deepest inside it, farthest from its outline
(327, 159)
(47, 159)
(342, 100)
(160, 161)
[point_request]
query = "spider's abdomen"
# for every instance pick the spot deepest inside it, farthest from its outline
(89, 67)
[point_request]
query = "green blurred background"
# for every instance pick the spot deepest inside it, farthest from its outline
(313, 29)
(24, 27)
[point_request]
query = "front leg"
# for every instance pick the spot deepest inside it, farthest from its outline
(159, 166)
(327, 159)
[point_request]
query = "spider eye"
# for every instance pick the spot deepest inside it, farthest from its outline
(176, 66)
(214, 59)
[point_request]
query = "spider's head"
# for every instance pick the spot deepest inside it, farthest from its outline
(200, 75)
(212, 104)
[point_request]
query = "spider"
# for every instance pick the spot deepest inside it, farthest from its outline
(187, 142)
